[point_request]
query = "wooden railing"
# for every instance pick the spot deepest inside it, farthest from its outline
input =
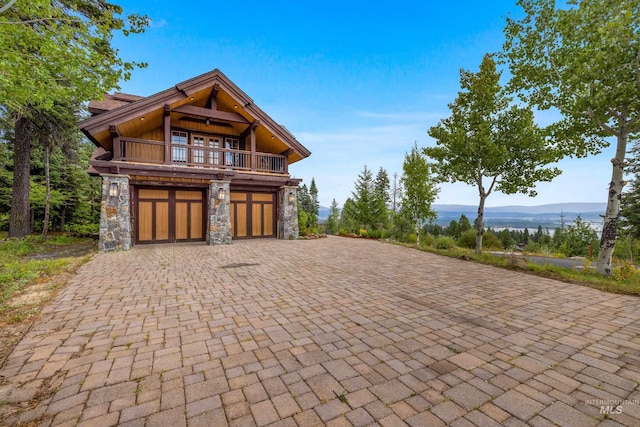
(155, 152)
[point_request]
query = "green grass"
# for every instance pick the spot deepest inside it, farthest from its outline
(629, 285)
(23, 261)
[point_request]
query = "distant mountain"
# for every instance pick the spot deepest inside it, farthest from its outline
(323, 213)
(515, 216)
(556, 208)
(524, 216)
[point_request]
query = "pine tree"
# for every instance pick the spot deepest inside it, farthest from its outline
(333, 221)
(382, 199)
(364, 198)
(314, 210)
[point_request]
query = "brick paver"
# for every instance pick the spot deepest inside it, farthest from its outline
(327, 332)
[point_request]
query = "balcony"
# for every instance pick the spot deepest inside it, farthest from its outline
(156, 152)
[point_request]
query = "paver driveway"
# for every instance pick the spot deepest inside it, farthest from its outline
(333, 331)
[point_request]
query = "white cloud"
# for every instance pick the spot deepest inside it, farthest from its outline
(158, 24)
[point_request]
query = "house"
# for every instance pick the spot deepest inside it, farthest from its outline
(196, 162)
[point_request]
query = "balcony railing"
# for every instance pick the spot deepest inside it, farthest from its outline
(155, 152)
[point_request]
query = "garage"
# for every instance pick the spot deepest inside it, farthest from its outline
(253, 214)
(168, 215)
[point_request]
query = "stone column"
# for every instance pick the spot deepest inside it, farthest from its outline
(115, 215)
(219, 214)
(288, 213)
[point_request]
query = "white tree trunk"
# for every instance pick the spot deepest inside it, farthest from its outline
(612, 215)
(480, 224)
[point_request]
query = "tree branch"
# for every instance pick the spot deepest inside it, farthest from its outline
(35, 21)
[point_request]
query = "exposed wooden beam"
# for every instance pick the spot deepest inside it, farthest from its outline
(113, 130)
(210, 114)
(167, 109)
(213, 101)
(251, 127)
(287, 152)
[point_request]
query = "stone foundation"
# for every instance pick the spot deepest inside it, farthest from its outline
(288, 213)
(219, 214)
(115, 215)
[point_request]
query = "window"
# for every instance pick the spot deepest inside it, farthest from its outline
(178, 154)
(214, 154)
(232, 159)
(198, 155)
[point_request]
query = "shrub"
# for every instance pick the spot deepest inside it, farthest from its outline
(467, 239)
(491, 241)
(625, 272)
(4, 221)
(84, 229)
(445, 242)
(427, 240)
(373, 234)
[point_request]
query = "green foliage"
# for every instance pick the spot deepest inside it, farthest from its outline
(576, 239)
(626, 272)
(369, 210)
(333, 220)
(308, 209)
(490, 241)
(582, 60)
(22, 261)
(348, 220)
(61, 50)
(444, 242)
(84, 229)
(419, 189)
(627, 248)
(488, 137)
(467, 240)
(630, 205)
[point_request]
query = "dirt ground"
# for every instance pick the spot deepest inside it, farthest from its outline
(24, 307)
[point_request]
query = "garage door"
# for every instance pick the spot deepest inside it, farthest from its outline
(253, 215)
(170, 215)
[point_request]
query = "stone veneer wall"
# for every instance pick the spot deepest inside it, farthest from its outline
(219, 214)
(115, 215)
(288, 213)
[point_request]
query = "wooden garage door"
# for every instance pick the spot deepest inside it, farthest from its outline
(253, 215)
(170, 215)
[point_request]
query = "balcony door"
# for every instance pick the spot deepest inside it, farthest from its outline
(209, 156)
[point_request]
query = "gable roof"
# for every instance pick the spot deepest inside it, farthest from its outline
(119, 109)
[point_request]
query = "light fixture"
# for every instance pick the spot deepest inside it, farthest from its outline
(273, 137)
(191, 99)
(235, 106)
(292, 198)
(113, 189)
(207, 121)
(221, 194)
(142, 118)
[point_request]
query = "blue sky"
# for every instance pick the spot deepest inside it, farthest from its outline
(356, 82)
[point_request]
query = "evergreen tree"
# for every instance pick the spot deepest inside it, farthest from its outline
(463, 224)
(381, 200)
(333, 221)
(630, 204)
(348, 217)
(54, 52)
(315, 204)
(364, 199)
